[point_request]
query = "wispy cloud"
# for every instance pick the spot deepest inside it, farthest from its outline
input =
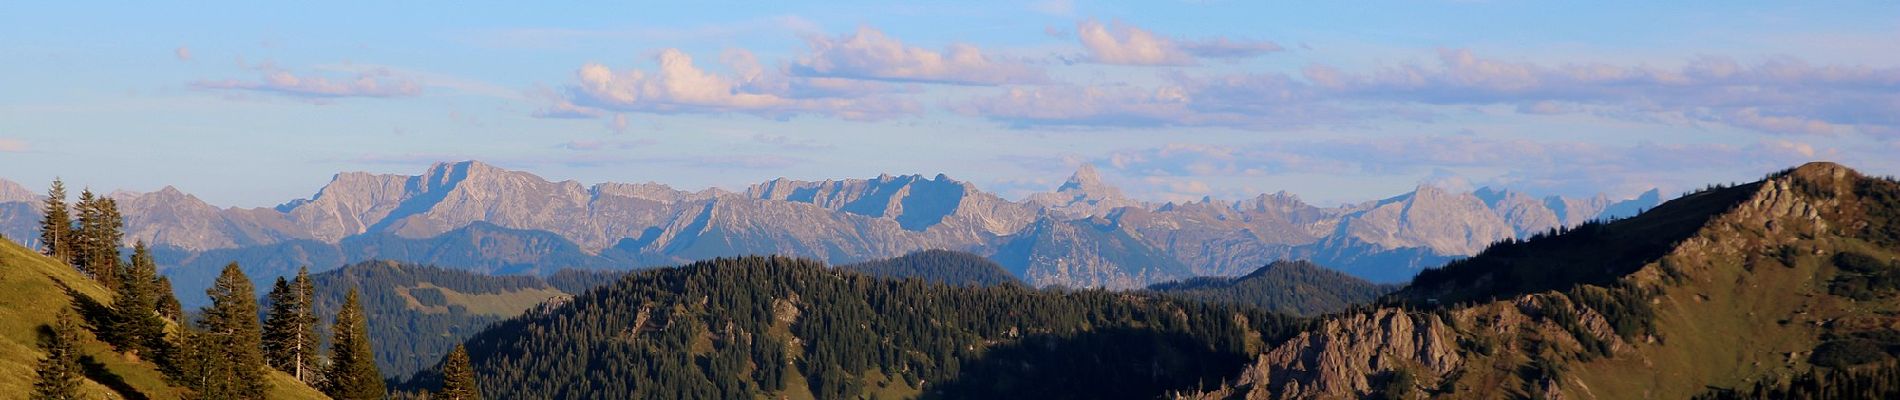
(1125, 44)
(1553, 166)
(182, 53)
(13, 146)
(1779, 95)
(872, 55)
(377, 83)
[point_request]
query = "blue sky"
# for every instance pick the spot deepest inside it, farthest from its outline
(252, 105)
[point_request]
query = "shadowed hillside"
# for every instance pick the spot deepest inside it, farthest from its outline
(1292, 287)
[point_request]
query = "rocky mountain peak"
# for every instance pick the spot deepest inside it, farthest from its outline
(11, 192)
(1083, 195)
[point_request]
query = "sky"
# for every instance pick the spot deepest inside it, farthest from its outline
(252, 105)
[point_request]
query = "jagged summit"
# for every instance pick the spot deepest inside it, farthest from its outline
(1084, 195)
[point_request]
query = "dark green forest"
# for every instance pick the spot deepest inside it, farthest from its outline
(746, 327)
(407, 339)
(939, 266)
(1292, 287)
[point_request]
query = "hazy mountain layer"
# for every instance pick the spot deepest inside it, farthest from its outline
(1085, 234)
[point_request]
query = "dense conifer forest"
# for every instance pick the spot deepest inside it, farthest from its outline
(771, 326)
(939, 266)
(1292, 287)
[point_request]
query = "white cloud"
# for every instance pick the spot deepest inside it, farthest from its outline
(871, 55)
(12, 146)
(680, 86)
(1121, 43)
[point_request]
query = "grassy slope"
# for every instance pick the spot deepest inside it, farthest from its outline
(33, 289)
(506, 304)
(1745, 315)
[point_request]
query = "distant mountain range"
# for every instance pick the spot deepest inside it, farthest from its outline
(1086, 233)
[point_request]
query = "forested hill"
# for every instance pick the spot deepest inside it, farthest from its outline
(1293, 287)
(417, 313)
(781, 327)
(939, 266)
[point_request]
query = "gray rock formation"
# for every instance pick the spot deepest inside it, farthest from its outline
(1084, 234)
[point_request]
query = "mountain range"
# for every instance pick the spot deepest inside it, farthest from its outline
(1085, 233)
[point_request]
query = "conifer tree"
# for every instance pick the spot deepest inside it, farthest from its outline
(458, 377)
(135, 326)
(234, 339)
(290, 335)
(96, 242)
(168, 306)
(56, 229)
(59, 372)
(353, 374)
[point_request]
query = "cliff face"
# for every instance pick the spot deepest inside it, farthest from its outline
(1746, 296)
(1095, 235)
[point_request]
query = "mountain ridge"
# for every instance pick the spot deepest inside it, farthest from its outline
(839, 221)
(1767, 258)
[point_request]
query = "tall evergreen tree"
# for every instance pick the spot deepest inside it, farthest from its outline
(56, 229)
(290, 334)
(135, 325)
(353, 374)
(96, 242)
(458, 378)
(168, 306)
(59, 372)
(233, 335)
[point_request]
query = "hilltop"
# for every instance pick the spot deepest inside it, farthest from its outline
(1721, 289)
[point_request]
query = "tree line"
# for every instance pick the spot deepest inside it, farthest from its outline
(224, 350)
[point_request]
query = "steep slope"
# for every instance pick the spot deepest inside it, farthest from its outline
(1290, 287)
(33, 290)
(840, 221)
(1084, 195)
(938, 266)
(1719, 289)
(1087, 253)
(417, 313)
(779, 327)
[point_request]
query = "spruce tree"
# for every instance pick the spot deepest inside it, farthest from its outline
(458, 377)
(96, 242)
(168, 306)
(234, 338)
(290, 335)
(59, 372)
(353, 374)
(135, 326)
(56, 228)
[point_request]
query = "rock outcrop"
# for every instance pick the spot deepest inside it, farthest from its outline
(1724, 306)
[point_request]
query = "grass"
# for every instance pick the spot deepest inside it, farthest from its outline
(33, 290)
(496, 304)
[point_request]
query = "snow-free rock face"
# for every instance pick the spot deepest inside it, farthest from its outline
(12, 192)
(854, 220)
(1446, 222)
(1083, 195)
